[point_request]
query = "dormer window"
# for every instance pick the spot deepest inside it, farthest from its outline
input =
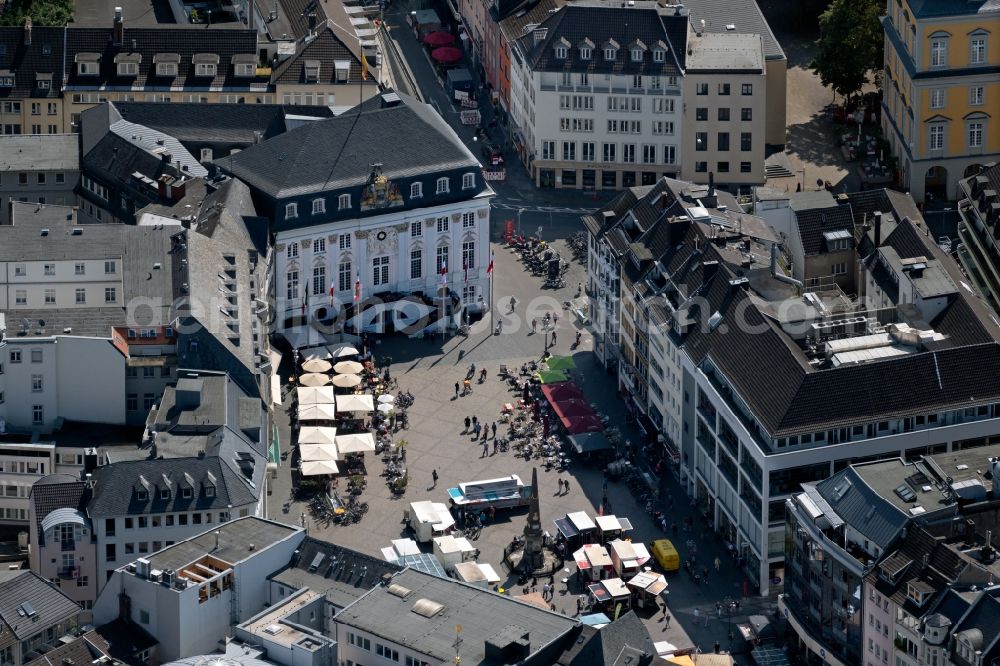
(166, 64)
(343, 69)
(164, 493)
(88, 64)
(141, 495)
(442, 186)
(6, 79)
(561, 52)
(43, 81)
(585, 52)
(416, 190)
(205, 64)
(209, 491)
(312, 71)
(244, 65)
(186, 493)
(318, 206)
(918, 592)
(659, 55)
(291, 211)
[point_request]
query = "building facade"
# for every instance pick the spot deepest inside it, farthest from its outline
(37, 617)
(38, 169)
(979, 232)
(940, 83)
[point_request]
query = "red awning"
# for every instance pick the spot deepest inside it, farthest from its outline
(439, 38)
(570, 408)
(584, 424)
(447, 55)
(561, 391)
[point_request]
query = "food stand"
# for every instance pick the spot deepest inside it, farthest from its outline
(611, 527)
(647, 587)
(627, 557)
(607, 594)
(429, 519)
(593, 563)
(576, 528)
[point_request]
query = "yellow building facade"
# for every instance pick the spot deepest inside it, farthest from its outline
(941, 91)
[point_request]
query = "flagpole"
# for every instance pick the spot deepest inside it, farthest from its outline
(492, 325)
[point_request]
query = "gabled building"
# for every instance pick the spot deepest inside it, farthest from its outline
(941, 84)
(35, 616)
(382, 200)
(979, 231)
(32, 62)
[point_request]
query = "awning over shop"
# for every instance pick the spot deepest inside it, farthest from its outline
(562, 391)
(566, 528)
(551, 376)
(581, 425)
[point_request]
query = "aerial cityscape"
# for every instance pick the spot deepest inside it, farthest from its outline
(534, 332)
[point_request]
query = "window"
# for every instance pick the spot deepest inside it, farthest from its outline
(50, 296)
(609, 152)
(648, 154)
(292, 280)
(840, 269)
(654, 83)
(746, 141)
(746, 167)
(628, 152)
(939, 52)
(936, 137)
(441, 259)
(975, 95)
(416, 264)
(569, 150)
(637, 83)
(20, 270)
(723, 88)
(132, 402)
(291, 211)
(636, 55)
(344, 276)
(37, 415)
(723, 114)
(722, 167)
(204, 69)
(318, 206)
(587, 151)
(79, 268)
(81, 296)
(701, 167)
(36, 383)
(15, 355)
(442, 224)
(166, 69)
(468, 220)
(746, 114)
(343, 201)
(91, 186)
(469, 255)
(977, 51)
(292, 250)
(659, 55)
(468, 181)
(701, 141)
(380, 271)
(610, 53)
(746, 89)
(701, 113)
(561, 52)
(319, 280)
(21, 297)
(937, 98)
(442, 186)
(669, 154)
(975, 135)
(416, 190)
(386, 652)
(585, 53)
(548, 150)
(319, 246)
(344, 241)
(416, 229)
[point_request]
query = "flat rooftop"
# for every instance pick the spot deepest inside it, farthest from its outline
(904, 485)
(235, 540)
(146, 14)
(420, 611)
(725, 52)
(270, 622)
(40, 152)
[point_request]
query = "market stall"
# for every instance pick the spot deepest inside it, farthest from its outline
(355, 403)
(317, 435)
(317, 412)
(359, 442)
(318, 467)
(593, 563)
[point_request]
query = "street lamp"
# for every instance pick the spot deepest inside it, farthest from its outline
(519, 211)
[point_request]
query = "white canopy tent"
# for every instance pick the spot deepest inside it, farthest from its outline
(317, 435)
(339, 350)
(314, 379)
(319, 452)
(356, 443)
(348, 367)
(320, 412)
(316, 365)
(355, 403)
(317, 467)
(315, 395)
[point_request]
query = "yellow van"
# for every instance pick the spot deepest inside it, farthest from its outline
(666, 555)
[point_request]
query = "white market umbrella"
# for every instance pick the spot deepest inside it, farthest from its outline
(345, 381)
(355, 403)
(385, 407)
(356, 443)
(317, 435)
(316, 365)
(315, 395)
(386, 398)
(321, 412)
(311, 452)
(317, 467)
(342, 351)
(314, 379)
(348, 367)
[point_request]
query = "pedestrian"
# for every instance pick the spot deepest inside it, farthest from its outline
(434, 477)
(718, 609)
(494, 427)
(553, 338)
(718, 564)
(697, 614)
(478, 427)
(486, 433)
(513, 303)
(468, 422)
(456, 389)
(566, 486)
(534, 325)
(475, 421)
(467, 387)
(579, 605)
(486, 450)
(495, 444)
(666, 619)
(559, 482)
(555, 318)
(545, 591)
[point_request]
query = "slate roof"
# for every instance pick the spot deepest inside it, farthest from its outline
(942, 8)
(983, 615)
(600, 22)
(331, 44)
(43, 56)
(121, 639)
(148, 42)
(343, 575)
(116, 485)
(216, 123)
(814, 222)
(745, 15)
(603, 646)
(47, 600)
(79, 651)
(40, 152)
(56, 491)
(336, 152)
(482, 613)
(865, 510)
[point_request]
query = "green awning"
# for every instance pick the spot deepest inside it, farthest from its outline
(561, 363)
(551, 376)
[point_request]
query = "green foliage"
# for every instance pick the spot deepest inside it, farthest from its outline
(42, 12)
(850, 45)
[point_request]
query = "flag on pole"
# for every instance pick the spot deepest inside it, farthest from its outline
(305, 298)
(465, 270)
(489, 269)
(357, 289)
(333, 290)
(444, 273)
(364, 67)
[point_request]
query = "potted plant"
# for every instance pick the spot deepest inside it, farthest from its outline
(194, 19)
(402, 448)
(399, 485)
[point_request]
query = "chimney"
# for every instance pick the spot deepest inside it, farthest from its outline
(878, 228)
(970, 532)
(711, 183)
(251, 9)
(710, 268)
(27, 31)
(119, 28)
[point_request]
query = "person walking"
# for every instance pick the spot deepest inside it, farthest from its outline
(666, 619)
(434, 478)
(468, 422)
(553, 338)
(513, 303)
(456, 389)
(546, 589)
(566, 486)
(467, 387)
(495, 444)
(486, 450)
(534, 325)
(718, 609)
(494, 428)
(559, 483)
(718, 564)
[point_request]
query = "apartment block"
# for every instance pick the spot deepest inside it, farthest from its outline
(979, 232)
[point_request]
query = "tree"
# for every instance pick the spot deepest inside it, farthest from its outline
(42, 12)
(850, 45)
